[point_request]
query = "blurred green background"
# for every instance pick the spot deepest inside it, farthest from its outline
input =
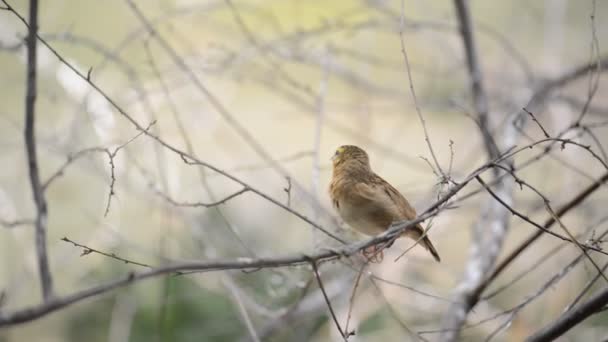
(302, 77)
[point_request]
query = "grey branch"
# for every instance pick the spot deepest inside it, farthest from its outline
(480, 99)
(200, 204)
(46, 280)
(491, 229)
(57, 303)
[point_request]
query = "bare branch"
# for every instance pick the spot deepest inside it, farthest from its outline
(111, 156)
(413, 93)
(185, 156)
(351, 302)
(489, 232)
(86, 250)
(586, 288)
(480, 100)
(211, 98)
(46, 280)
(571, 318)
(564, 209)
(537, 123)
(287, 190)
(200, 204)
(542, 259)
(34, 312)
(578, 244)
(473, 296)
(456, 315)
(328, 302)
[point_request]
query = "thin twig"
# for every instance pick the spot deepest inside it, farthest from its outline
(200, 204)
(351, 302)
(86, 250)
(578, 244)
(413, 93)
(287, 190)
(585, 289)
(327, 301)
(542, 259)
(537, 123)
(242, 263)
(474, 295)
(234, 290)
(570, 238)
(213, 100)
(191, 159)
(73, 157)
(111, 156)
(395, 315)
(594, 74)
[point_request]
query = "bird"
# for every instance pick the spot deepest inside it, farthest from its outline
(365, 201)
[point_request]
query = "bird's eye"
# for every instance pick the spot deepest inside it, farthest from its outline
(336, 154)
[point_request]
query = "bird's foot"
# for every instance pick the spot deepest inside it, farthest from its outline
(373, 254)
(337, 251)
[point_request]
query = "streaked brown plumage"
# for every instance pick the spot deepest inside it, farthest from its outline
(365, 201)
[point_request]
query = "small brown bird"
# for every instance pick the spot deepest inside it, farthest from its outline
(366, 202)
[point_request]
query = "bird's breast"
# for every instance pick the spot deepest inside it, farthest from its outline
(364, 215)
(360, 218)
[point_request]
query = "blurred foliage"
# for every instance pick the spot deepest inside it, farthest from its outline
(192, 313)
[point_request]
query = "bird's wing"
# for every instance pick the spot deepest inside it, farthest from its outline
(375, 194)
(371, 207)
(380, 191)
(403, 207)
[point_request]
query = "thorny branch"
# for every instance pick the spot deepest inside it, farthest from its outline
(86, 250)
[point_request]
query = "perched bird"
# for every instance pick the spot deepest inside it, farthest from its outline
(366, 202)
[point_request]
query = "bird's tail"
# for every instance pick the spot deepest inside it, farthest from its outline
(416, 234)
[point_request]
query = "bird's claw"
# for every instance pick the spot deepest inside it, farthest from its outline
(337, 251)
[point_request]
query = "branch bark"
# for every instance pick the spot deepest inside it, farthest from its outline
(480, 99)
(41, 223)
(489, 233)
(491, 229)
(571, 318)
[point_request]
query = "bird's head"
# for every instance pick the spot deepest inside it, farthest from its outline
(346, 154)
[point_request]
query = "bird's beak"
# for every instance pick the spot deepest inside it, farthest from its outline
(334, 157)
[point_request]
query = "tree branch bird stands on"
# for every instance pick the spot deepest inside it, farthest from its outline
(368, 203)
